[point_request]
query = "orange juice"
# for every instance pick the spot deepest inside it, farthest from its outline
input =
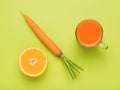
(89, 33)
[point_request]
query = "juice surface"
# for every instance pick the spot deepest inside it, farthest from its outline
(89, 33)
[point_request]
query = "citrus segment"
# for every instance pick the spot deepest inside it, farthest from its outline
(33, 62)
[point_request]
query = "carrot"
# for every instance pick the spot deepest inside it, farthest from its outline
(43, 37)
(73, 69)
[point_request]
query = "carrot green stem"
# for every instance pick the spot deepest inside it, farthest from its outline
(73, 69)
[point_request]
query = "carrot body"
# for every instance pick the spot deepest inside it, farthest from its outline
(43, 37)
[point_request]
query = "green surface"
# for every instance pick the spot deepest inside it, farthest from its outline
(58, 19)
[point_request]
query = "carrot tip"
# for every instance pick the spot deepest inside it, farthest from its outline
(22, 13)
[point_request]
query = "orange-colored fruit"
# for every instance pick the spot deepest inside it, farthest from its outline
(33, 62)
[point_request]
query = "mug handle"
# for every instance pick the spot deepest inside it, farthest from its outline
(103, 45)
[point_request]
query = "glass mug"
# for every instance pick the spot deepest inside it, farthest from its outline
(89, 33)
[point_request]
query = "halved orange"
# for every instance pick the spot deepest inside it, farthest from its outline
(33, 62)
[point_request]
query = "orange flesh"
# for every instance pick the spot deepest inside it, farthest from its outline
(89, 33)
(33, 61)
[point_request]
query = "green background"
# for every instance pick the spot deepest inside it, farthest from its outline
(58, 19)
